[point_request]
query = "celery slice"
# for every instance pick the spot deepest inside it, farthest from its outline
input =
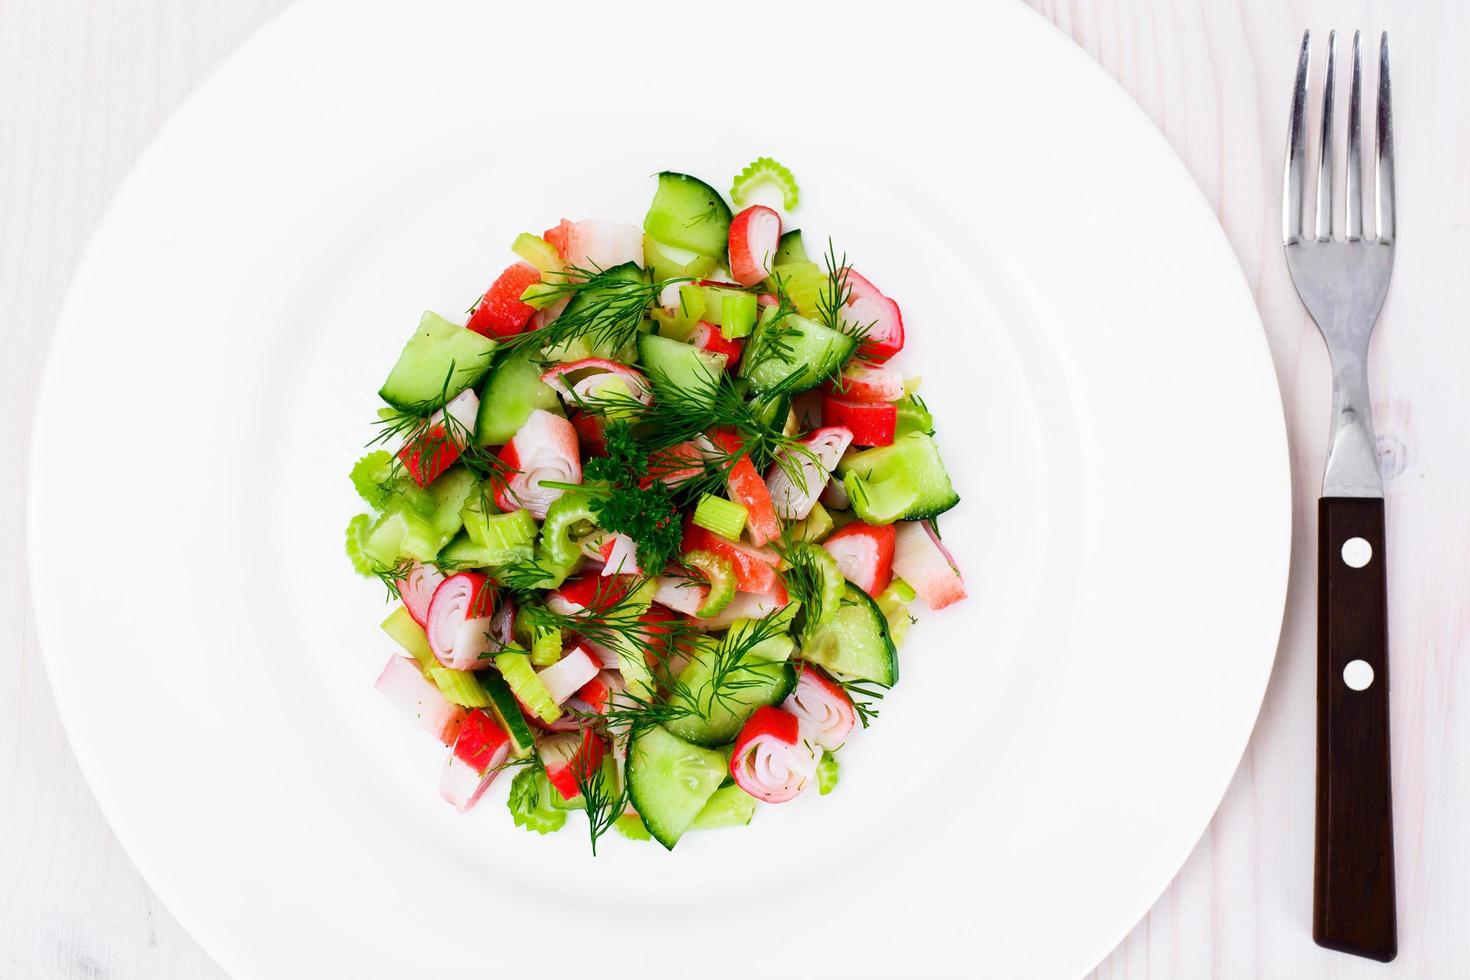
(515, 666)
(370, 477)
(569, 518)
(893, 603)
(497, 532)
(530, 802)
(537, 251)
(545, 646)
(459, 687)
(764, 170)
(913, 416)
(724, 517)
(827, 774)
(357, 532)
(630, 825)
(737, 315)
(803, 282)
(410, 635)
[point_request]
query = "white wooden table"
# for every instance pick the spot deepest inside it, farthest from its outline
(83, 86)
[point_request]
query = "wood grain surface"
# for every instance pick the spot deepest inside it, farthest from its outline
(83, 86)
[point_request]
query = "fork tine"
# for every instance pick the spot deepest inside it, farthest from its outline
(1325, 158)
(1293, 195)
(1384, 137)
(1355, 145)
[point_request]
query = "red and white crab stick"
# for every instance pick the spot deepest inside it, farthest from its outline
(864, 555)
(479, 751)
(755, 234)
(416, 589)
(924, 563)
(822, 709)
(566, 756)
(771, 760)
(459, 621)
(432, 449)
(581, 381)
(570, 674)
(544, 448)
(416, 696)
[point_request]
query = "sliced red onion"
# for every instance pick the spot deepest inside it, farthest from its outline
(416, 696)
(459, 624)
(502, 624)
(416, 589)
(814, 461)
(834, 495)
(822, 709)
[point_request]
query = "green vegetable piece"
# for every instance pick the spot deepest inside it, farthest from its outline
(737, 314)
(410, 635)
(530, 802)
(463, 552)
(630, 825)
(670, 781)
(497, 532)
(688, 213)
(515, 666)
(731, 806)
(724, 517)
(827, 774)
(458, 686)
(793, 353)
(672, 262)
(357, 535)
(790, 249)
(893, 602)
(570, 517)
(722, 705)
(537, 251)
(904, 481)
(764, 170)
(545, 646)
(803, 282)
(439, 361)
(856, 642)
(720, 573)
(507, 711)
(512, 393)
(821, 579)
(815, 527)
(370, 478)
(913, 416)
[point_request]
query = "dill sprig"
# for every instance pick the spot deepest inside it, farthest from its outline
(390, 577)
(601, 802)
(864, 695)
(607, 311)
(804, 577)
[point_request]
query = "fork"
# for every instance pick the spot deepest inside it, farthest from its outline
(1342, 282)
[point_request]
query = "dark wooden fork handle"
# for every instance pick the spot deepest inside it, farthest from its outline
(1353, 897)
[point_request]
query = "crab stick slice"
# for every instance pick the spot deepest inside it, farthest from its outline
(565, 757)
(416, 696)
(544, 448)
(867, 307)
(619, 555)
(747, 488)
(582, 381)
(459, 621)
(434, 447)
(416, 589)
(797, 477)
(868, 383)
(822, 708)
(755, 234)
(480, 749)
(864, 555)
(567, 676)
(871, 423)
(771, 761)
(924, 563)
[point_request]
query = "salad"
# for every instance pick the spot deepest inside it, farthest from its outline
(653, 517)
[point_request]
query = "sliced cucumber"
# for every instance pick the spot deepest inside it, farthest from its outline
(688, 213)
(855, 642)
(790, 249)
(752, 685)
(465, 552)
(670, 781)
(683, 368)
(595, 298)
(731, 806)
(905, 481)
(507, 711)
(671, 262)
(512, 393)
(439, 361)
(808, 346)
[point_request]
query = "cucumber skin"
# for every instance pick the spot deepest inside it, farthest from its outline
(887, 674)
(791, 248)
(417, 378)
(642, 796)
(512, 392)
(507, 712)
(817, 350)
(731, 806)
(680, 365)
(690, 214)
(936, 495)
(724, 726)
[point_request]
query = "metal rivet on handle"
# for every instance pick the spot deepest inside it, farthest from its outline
(1358, 675)
(1357, 552)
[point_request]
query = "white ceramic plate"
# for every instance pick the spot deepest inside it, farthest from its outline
(1104, 397)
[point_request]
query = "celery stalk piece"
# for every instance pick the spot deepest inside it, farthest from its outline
(724, 517)
(497, 532)
(357, 533)
(720, 572)
(737, 315)
(803, 282)
(827, 774)
(913, 416)
(545, 646)
(672, 262)
(630, 825)
(515, 666)
(765, 170)
(410, 635)
(537, 251)
(458, 686)
(530, 802)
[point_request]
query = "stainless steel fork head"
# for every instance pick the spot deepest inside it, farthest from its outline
(1342, 281)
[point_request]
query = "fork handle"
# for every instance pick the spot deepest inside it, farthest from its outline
(1353, 896)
